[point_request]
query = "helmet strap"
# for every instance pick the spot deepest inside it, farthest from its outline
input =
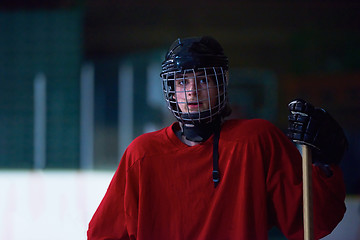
(216, 171)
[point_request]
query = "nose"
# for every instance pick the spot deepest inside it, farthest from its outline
(191, 86)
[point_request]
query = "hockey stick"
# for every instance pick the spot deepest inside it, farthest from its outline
(307, 192)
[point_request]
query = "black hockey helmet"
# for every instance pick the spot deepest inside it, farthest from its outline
(193, 53)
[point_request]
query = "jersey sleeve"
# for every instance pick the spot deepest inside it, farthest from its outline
(284, 187)
(115, 218)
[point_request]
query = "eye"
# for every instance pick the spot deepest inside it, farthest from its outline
(180, 82)
(202, 81)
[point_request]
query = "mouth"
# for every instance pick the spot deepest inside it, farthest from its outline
(194, 105)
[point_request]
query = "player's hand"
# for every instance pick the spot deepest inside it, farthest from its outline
(316, 128)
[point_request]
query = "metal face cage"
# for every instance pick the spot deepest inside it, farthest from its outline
(196, 95)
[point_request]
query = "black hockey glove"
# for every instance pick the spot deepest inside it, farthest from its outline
(316, 128)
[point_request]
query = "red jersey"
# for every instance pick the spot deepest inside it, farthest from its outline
(163, 189)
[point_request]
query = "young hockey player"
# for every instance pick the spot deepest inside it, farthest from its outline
(205, 177)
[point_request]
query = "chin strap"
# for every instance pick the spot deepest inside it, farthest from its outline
(216, 173)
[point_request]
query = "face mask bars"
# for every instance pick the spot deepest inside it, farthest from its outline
(202, 78)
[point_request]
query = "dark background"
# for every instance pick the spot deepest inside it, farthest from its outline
(311, 49)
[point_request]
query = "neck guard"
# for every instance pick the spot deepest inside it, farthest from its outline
(200, 132)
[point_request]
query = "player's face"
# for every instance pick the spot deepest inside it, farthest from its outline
(195, 92)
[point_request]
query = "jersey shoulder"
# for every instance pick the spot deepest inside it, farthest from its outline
(248, 130)
(249, 126)
(259, 133)
(148, 141)
(144, 146)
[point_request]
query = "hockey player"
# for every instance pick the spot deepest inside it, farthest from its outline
(205, 177)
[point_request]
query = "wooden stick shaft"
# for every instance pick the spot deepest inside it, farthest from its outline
(307, 193)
